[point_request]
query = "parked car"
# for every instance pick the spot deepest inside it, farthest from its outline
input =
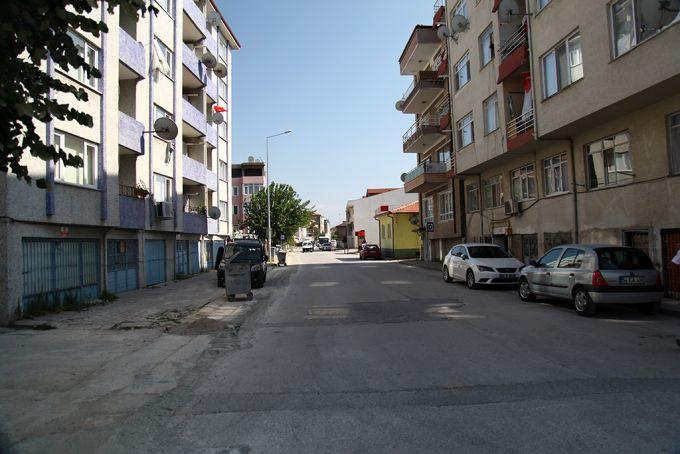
(370, 251)
(326, 247)
(480, 263)
(251, 251)
(308, 246)
(589, 275)
(334, 244)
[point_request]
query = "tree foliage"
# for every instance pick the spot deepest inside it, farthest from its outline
(30, 32)
(289, 212)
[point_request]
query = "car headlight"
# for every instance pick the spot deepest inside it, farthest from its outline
(485, 268)
(256, 267)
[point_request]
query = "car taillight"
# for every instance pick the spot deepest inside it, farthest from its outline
(598, 279)
(658, 282)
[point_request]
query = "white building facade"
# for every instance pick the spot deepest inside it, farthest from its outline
(361, 213)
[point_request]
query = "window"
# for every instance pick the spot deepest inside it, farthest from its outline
(164, 60)
(443, 155)
(490, 114)
(562, 66)
(222, 88)
(223, 170)
(251, 188)
(493, 192)
(162, 188)
(674, 141)
(618, 258)
(555, 175)
(222, 127)
(524, 183)
(446, 206)
(159, 112)
(572, 258)
(550, 259)
(223, 49)
(89, 54)
(224, 211)
(234, 191)
(609, 161)
(472, 197)
(463, 71)
(166, 5)
(634, 21)
(461, 9)
(486, 47)
(428, 210)
(542, 3)
(235, 210)
(87, 151)
(465, 127)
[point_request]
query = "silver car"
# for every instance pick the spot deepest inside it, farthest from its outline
(589, 275)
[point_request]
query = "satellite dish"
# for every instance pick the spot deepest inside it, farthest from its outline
(459, 23)
(399, 105)
(217, 118)
(508, 9)
(251, 159)
(213, 18)
(403, 177)
(214, 213)
(209, 60)
(414, 219)
(220, 70)
(443, 32)
(165, 128)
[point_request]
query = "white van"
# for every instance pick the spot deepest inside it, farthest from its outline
(308, 246)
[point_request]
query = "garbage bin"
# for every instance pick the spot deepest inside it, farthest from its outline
(237, 280)
(281, 257)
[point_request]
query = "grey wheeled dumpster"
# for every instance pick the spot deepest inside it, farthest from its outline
(237, 280)
(281, 257)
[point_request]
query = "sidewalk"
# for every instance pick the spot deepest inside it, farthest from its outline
(668, 306)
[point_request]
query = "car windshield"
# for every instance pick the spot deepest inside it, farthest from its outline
(248, 254)
(487, 252)
(623, 259)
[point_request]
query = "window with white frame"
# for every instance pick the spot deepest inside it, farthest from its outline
(446, 206)
(223, 48)
(490, 113)
(542, 3)
(87, 151)
(555, 174)
(674, 142)
(159, 112)
(428, 210)
(166, 5)
(222, 88)
(465, 129)
(486, 47)
(223, 170)
(222, 127)
(162, 188)
(224, 211)
(562, 66)
(462, 71)
(251, 188)
(444, 155)
(493, 192)
(609, 161)
(165, 58)
(90, 54)
(523, 182)
(472, 197)
(461, 9)
(234, 191)
(634, 21)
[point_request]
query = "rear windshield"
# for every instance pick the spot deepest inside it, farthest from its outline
(623, 259)
(248, 254)
(487, 252)
(371, 247)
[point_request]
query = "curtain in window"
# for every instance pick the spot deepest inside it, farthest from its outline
(624, 28)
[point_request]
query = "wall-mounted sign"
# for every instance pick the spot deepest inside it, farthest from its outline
(430, 227)
(63, 232)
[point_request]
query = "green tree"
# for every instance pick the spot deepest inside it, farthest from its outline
(289, 212)
(30, 32)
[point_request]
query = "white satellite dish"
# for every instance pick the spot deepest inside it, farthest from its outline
(251, 158)
(403, 177)
(220, 70)
(213, 18)
(459, 23)
(508, 9)
(209, 60)
(414, 219)
(399, 105)
(165, 128)
(443, 32)
(214, 213)
(217, 118)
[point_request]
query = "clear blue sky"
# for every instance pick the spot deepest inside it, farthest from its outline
(329, 71)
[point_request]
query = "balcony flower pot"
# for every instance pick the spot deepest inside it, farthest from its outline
(141, 193)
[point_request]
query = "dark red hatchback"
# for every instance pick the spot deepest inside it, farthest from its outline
(370, 251)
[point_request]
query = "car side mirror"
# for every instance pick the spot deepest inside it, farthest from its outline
(533, 263)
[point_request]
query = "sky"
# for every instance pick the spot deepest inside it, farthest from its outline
(328, 70)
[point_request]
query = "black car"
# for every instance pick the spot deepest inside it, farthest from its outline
(251, 251)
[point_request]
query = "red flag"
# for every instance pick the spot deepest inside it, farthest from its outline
(219, 109)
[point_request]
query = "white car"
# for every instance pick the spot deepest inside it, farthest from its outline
(479, 263)
(308, 246)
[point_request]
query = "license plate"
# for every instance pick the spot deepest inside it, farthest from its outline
(508, 276)
(631, 280)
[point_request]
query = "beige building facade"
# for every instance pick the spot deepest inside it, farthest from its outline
(136, 214)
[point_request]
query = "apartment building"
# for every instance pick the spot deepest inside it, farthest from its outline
(425, 60)
(566, 117)
(136, 214)
(248, 179)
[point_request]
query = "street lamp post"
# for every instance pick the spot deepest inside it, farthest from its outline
(269, 206)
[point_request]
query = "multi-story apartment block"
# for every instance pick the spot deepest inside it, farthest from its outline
(136, 214)
(566, 118)
(426, 60)
(248, 179)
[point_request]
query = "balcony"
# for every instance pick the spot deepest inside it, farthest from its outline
(520, 131)
(194, 119)
(194, 170)
(211, 180)
(130, 134)
(195, 223)
(421, 93)
(194, 73)
(420, 49)
(211, 90)
(425, 177)
(211, 136)
(514, 54)
(132, 209)
(213, 226)
(193, 22)
(132, 57)
(439, 12)
(211, 45)
(423, 134)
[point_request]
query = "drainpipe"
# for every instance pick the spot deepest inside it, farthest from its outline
(102, 180)
(394, 238)
(481, 207)
(151, 110)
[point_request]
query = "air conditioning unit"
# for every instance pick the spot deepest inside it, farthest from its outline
(164, 210)
(510, 207)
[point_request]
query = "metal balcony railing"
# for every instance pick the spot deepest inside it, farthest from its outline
(409, 90)
(127, 191)
(518, 39)
(520, 124)
(423, 122)
(438, 4)
(425, 168)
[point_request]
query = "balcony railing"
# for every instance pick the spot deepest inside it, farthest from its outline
(425, 168)
(130, 133)
(424, 122)
(438, 4)
(193, 117)
(131, 53)
(514, 42)
(520, 124)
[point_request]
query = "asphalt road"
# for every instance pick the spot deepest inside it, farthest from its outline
(353, 356)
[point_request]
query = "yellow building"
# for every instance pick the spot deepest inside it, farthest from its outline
(399, 237)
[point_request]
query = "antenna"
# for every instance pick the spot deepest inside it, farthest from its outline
(213, 18)
(214, 213)
(220, 70)
(459, 23)
(209, 60)
(399, 105)
(251, 158)
(165, 128)
(508, 9)
(443, 32)
(403, 177)
(217, 118)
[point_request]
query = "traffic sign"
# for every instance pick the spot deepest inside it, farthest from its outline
(430, 227)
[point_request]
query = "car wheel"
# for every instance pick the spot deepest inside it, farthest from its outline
(447, 276)
(649, 308)
(524, 290)
(583, 304)
(470, 280)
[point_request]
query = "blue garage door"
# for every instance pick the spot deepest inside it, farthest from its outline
(122, 265)
(55, 270)
(208, 259)
(194, 257)
(215, 247)
(181, 257)
(155, 261)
